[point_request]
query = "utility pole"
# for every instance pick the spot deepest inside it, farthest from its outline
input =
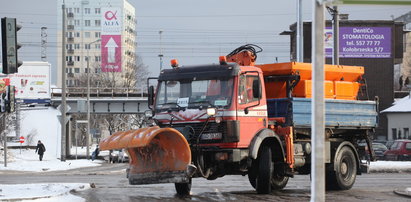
(18, 120)
(300, 43)
(44, 44)
(161, 51)
(3, 119)
(63, 84)
(317, 105)
(336, 34)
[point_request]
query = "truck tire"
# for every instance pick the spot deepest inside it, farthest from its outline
(183, 189)
(343, 177)
(265, 171)
(252, 173)
(279, 182)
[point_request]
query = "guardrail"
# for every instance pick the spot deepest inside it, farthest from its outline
(100, 92)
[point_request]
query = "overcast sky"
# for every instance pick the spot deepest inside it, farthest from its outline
(194, 32)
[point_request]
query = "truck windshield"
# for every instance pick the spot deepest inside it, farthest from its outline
(194, 94)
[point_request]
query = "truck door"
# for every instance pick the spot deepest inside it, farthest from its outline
(251, 109)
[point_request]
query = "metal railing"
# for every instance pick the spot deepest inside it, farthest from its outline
(101, 92)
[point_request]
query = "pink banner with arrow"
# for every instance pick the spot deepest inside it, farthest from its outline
(111, 53)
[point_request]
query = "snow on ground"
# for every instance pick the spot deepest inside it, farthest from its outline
(390, 166)
(28, 160)
(41, 192)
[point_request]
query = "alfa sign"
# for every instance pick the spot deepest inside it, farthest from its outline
(111, 30)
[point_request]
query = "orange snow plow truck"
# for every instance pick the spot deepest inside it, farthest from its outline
(239, 118)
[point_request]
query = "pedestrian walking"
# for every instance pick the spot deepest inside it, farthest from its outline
(95, 153)
(40, 149)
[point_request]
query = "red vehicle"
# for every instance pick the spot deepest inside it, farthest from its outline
(399, 151)
(239, 118)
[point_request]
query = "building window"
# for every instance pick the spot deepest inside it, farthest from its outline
(87, 23)
(77, 22)
(77, 10)
(85, 58)
(87, 10)
(97, 58)
(76, 46)
(97, 34)
(97, 23)
(97, 46)
(87, 34)
(86, 46)
(407, 133)
(76, 70)
(77, 58)
(394, 133)
(97, 10)
(77, 34)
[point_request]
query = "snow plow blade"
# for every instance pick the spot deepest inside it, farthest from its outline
(157, 155)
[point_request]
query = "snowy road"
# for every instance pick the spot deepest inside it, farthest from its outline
(111, 185)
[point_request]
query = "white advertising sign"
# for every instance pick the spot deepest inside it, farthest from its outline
(111, 21)
(32, 80)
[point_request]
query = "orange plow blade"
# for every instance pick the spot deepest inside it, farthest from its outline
(157, 155)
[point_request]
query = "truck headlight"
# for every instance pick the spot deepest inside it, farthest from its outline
(211, 111)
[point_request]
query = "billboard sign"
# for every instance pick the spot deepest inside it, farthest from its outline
(32, 82)
(360, 42)
(111, 30)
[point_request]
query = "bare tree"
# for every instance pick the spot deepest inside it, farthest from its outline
(133, 76)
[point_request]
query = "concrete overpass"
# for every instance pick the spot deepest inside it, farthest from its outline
(103, 101)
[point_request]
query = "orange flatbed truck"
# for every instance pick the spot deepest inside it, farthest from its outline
(238, 118)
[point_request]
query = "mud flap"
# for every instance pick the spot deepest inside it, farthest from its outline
(157, 155)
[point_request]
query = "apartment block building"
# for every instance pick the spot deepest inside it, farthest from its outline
(84, 22)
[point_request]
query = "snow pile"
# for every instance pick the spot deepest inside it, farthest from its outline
(41, 124)
(29, 161)
(390, 166)
(41, 192)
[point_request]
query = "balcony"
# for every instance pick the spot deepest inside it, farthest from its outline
(70, 27)
(70, 75)
(70, 39)
(70, 63)
(70, 51)
(70, 15)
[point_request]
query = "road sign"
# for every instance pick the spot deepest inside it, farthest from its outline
(21, 139)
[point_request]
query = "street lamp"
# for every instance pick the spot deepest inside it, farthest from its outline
(161, 51)
(88, 99)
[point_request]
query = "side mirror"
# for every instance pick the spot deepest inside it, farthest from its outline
(256, 89)
(150, 96)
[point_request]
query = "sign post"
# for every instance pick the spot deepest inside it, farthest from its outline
(21, 142)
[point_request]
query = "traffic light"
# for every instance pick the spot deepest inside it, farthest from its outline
(10, 46)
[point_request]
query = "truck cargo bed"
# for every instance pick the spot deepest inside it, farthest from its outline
(338, 113)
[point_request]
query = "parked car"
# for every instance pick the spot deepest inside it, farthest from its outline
(400, 151)
(378, 148)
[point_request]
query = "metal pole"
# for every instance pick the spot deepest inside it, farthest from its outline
(317, 106)
(336, 38)
(63, 88)
(4, 139)
(88, 100)
(300, 45)
(18, 120)
(161, 51)
(75, 137)
(88, 105)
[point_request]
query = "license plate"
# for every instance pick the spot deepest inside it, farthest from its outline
(211, 136)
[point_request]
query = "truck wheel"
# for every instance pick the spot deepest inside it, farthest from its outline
(252, 173)
(183, 189)
(343, 177)
(265, 170)
(279, 182)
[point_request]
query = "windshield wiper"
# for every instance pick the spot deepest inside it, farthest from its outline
(170, 106)
(201, 102)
